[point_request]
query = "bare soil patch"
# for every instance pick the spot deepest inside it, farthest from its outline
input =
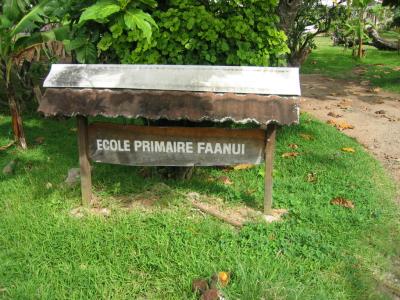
(374, 114)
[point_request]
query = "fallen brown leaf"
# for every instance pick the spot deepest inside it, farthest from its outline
(225, 180)
(342, 202)
(290, 154)
(243, 166)
(307, 137)
(341, 125)
(375, 90)
(211, 294)
(396, 69)
(293, 146)
(199, 285)
(334, 115)
(345, 104)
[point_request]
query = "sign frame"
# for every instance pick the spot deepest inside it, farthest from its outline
(266, 135)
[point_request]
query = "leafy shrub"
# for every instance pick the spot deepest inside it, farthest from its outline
(189, 32)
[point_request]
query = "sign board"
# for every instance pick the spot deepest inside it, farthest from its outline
(217, 79)
(174, 146)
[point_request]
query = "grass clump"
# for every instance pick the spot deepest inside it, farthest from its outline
(320, 251)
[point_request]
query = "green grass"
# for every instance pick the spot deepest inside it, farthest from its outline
(390, 35)
(337, 62)
(320, 251)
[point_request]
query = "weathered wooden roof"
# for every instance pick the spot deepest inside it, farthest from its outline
(239, 94)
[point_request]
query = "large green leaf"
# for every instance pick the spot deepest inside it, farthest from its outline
(11, 9)
(137, 18)
(99, 11)
(86, 54)
(4, 22)
(29, 20)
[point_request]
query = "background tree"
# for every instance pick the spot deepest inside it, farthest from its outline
(302, 21)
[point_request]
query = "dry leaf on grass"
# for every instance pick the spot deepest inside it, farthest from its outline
(396, 69)
(342, 202)
(307, 137)
(199, 285)
(348, 149)
(312, 177)
(243, 166)
(74, 129)
(293, 146)
(225, 180)
(290, 154)
(341, 125)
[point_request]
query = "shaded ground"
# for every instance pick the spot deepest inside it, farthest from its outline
(375, 114)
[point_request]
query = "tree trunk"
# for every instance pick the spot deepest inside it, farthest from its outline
(381, 43)
(360, 47)
(297, 58)
(16, 120)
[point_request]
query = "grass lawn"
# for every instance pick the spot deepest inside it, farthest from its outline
(320, 251)
(382, 68)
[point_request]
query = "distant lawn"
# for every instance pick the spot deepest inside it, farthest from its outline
(390, 35)
(320, 251)
(338, 62)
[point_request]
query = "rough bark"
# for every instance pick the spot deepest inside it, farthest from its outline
(381, 43)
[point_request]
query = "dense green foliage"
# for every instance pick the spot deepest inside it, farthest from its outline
(319, 251)
(189, 32)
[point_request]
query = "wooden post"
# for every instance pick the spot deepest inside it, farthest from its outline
(86, 177)
(269, 162)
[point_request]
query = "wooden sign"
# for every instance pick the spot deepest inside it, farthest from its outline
(174, 146)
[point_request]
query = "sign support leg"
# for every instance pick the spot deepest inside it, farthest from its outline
(269, 160)
(86, 177)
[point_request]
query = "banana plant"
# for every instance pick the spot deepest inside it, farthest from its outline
(21, 30)
(358, 24)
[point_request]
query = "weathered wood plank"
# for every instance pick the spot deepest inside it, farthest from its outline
(174, 146)
(86, 177)
(269, 165)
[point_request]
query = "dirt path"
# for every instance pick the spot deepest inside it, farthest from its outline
(374, 114)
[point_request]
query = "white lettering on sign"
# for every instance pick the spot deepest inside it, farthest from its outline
(113, 145)
(170, 147)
